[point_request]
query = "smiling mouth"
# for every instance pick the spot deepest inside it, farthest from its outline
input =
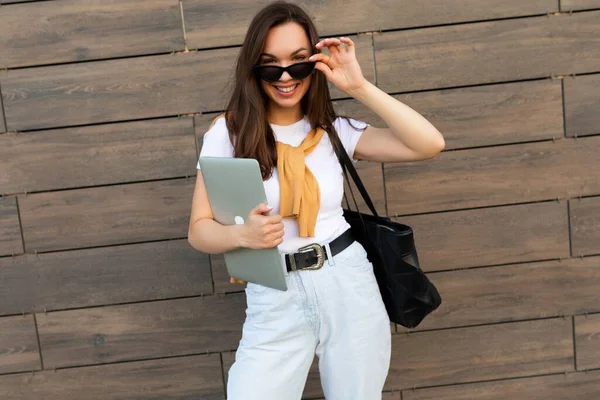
(286, 89)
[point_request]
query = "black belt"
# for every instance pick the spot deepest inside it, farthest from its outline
(314, 255)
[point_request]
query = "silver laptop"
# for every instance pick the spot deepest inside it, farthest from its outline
(235, 187)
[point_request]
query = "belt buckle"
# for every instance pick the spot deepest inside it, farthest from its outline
(320, 256)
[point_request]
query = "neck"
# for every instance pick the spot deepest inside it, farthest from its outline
(284, 116)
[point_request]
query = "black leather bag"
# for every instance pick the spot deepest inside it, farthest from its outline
(408, 295)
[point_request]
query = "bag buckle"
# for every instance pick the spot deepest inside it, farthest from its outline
(318, 249)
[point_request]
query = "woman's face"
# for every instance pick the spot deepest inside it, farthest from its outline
(286, 44)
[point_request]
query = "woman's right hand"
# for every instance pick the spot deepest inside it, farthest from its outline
(261, 231)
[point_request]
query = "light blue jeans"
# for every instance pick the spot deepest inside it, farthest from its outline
(335, 312)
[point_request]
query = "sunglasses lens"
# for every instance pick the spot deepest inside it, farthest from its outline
(270, 74)
(302, 70)
(296, 71)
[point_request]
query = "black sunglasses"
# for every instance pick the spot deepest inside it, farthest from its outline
(272, 73)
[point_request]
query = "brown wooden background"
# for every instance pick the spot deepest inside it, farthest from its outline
(104, 103)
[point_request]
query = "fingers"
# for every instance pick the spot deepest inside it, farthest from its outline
(322, 57)
(261, 209)
(324, 68)
(335, 45)
(347, 41)
(349, 44)
(274, 219)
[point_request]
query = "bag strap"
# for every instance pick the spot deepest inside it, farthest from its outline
(348, 165)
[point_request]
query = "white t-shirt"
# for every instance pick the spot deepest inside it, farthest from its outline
(322, 162)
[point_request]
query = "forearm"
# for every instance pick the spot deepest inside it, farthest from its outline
(410, 127)
(210, 237)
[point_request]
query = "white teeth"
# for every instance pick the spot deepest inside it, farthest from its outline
(286, 90)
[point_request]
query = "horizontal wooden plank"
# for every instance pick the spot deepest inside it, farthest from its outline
(477, 116)
(494, 176)
(582, 105)
(106, 215)
(481, 353)
(488, 52)
(516, 292)
(221, 276)
(371, 175)
(585, 226)
(587, 338)
(18, 345)
(97, 155)
(197, 377)
(312, 389)
(71, 30)
(140, 331)
(569, 5)
(490, 236)
(116, 90)
(212, 23)
(575, 386)
(109, 275)
(10, 229)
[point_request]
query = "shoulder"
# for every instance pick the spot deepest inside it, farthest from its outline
(216, 140)
(348, 125)
(349, 131)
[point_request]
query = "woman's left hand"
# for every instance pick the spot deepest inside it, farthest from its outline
(340, 67)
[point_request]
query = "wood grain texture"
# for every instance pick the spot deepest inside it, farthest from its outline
(221, 276)
(71, 30)
(97, 155)
(196, 377)
(587, 340)
(481, 353)
(106, 215)
(2, 118)
(116, 90)
(213, 23)
(477, 116)
(488, 52)
(10, 229)
(568, 5)
(574, 386)
(371, 175)
(94, 277)
(489, 236)
(496, 175)
(312, 388)
(582, 105)
(585, 226)
(516, 292)
(140, 331)
(18, 345)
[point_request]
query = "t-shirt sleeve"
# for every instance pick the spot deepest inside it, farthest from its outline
(215, 142)
(350, 130)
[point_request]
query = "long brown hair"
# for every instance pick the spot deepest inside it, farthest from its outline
(246, 112)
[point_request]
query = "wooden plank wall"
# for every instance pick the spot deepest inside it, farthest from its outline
(102, 110)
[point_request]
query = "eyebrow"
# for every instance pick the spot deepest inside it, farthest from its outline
(293, 54)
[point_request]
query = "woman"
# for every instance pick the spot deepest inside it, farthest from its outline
(283, 117)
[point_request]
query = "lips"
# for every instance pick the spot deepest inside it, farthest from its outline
(286, 89)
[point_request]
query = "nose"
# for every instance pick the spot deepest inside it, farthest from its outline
(285, 77)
